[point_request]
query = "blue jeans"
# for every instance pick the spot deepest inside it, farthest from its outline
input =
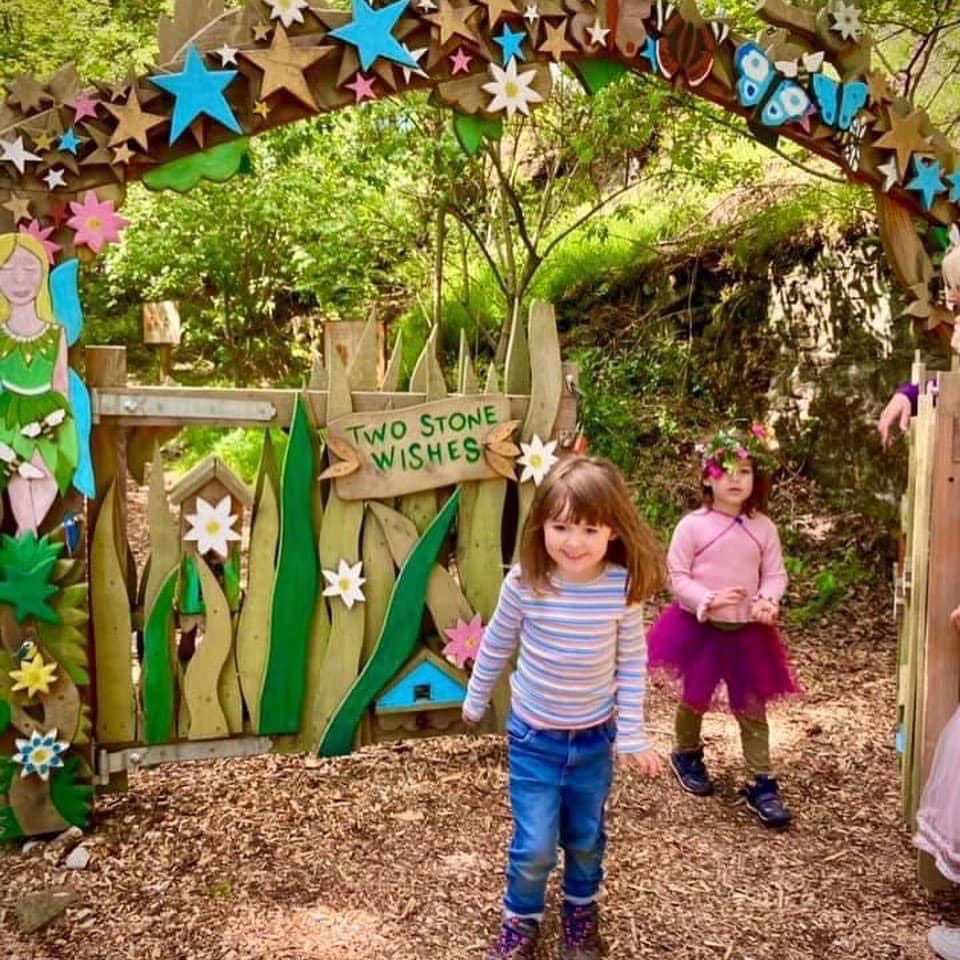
(559, 784)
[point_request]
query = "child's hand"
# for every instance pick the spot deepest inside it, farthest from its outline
(647, 763)
(764, 611)
(727, 597)
(469, 721)
(955, 619)
(895, 414)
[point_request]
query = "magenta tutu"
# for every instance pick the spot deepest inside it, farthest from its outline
(751, 661)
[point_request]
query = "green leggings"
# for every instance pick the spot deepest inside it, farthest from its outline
(754, 737)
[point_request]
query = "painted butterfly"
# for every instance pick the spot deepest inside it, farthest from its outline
(759, 82)
(838, 102)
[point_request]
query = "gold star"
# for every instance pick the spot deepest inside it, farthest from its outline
(904, 137)
(122, 154)
(261, 31)
(19, 207)
(43, 141)
(262, 109)
(133, 122)
(556, 41)
(453, 20)
(283, 66)
(497, 8)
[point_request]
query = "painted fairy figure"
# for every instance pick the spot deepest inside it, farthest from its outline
(39, 448)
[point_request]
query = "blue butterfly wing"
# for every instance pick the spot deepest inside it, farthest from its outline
(80, 409)
(826, 92)
(789, 102)
(66, 299)
(852, 101)
(755, 74)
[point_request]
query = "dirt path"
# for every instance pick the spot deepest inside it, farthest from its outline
(398, 851)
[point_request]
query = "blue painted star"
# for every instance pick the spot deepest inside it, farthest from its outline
(510, 43)
(954, 180)
(927, 182)
(70, 141)
(649, 53)
(197, 91)
(369, 32)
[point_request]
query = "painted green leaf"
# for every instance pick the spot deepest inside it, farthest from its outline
(398, 636)
(72, 799)
(159, 680)
(4, 715)
(472, 131)
(218, 164)
(10, 828)
(65, 642)
(594, 75)
(190, 600)
(294, 587)
(26, 566)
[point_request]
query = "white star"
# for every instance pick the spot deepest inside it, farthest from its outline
(14, 152)
(227, 54)
(531, 13)
(426, 5)
(598, 34)
(55, 179)
(417, 55)
(890, 173)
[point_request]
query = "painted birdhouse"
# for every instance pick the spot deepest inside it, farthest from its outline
(424, 699)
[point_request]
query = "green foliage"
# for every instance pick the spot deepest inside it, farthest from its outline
(72, 799)
(823, 584)
(238, 448)
(26, 565)
(65, 641)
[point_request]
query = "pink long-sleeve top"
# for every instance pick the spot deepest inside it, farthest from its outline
(711, 551)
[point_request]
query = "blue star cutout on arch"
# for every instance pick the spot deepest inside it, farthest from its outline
(369, 32)
(70, 141)
(197, 91)
(927, 180)
(954, 180)
(510, 43)
(649, 53)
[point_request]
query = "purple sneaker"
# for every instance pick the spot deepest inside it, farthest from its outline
(581, 932)
(516, 941)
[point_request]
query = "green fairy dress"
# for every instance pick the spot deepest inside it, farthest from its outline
(34, 416)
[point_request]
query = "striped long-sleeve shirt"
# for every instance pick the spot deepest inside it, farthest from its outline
(583, 655)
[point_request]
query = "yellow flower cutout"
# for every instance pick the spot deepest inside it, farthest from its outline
(34, 676)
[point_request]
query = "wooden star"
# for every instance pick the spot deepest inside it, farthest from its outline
(122, 154)
(102, 154)
(497, 8)
(262, 109)
(261, 31)
(283, 67)
(879, 86)
(556, 42)
(133, 123)
(44, 140)
(121, 89)
(19, 207)
(27, 93)
(452, 20)
(904, 137)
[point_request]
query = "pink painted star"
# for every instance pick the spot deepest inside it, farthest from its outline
(460, 61)
(40, 234)
(362, 88)
(95, 223)
(83, 106)
(464, 641)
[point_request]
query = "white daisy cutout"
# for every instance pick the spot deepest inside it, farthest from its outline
(537, 459)
(846, 20)
(510, 91)
(212, 526)
(345, 583)
(287, 11)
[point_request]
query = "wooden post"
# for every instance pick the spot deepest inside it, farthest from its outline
(107, 367)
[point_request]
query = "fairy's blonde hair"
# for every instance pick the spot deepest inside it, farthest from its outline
(9, 242)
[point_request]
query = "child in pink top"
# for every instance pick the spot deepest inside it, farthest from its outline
(727, 577)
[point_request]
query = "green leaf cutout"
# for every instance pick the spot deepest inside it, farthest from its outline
(294, 587)
(398, 636)
(26, 566)
(472, 131)
(5, 714)
(159, 679)
(72, 799)
(217, 164)
(594, 75)
(191, 602)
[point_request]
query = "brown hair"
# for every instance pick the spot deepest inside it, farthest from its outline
(591, 490)
(756, 502)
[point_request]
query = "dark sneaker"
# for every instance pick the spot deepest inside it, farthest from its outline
(691, 771)
(581, 932)
(517, 940)
(763, 798)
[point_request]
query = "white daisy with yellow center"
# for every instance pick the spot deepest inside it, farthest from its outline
(212, 526)
(345, 583)
(846, 20)
(511, 92)
(537, 459)
(287, 11)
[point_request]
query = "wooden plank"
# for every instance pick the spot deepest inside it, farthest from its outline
(164, 532)
(516, 377)
(420, 448)
(466, 377)
(392, 376)
(115, 715)
(363, 369)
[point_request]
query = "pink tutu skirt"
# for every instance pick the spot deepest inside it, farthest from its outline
(752, 662)
(938, 819)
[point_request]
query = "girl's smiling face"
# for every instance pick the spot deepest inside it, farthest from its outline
(577, 549)
(20, 277)
(732, 490)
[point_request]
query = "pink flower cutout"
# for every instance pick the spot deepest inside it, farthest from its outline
(40, 234)
(714, 471)
(743, 453)
(95, 223)
(759, 430)
(464, 641)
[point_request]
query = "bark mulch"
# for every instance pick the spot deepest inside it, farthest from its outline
(397, 852)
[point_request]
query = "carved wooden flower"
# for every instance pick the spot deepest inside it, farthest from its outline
(538, 457)
(212, 526)
(34, 676)
(345, 583)
(40, 754)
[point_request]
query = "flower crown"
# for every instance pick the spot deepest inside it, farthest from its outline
(728, 447)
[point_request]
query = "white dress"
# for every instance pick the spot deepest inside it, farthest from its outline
(938, 819)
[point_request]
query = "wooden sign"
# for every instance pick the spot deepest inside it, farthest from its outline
(418, 448)
(161, 323)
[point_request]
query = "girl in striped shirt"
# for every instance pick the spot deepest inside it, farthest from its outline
(574, 608)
